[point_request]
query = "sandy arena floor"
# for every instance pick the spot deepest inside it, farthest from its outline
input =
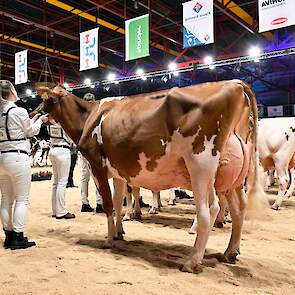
(68, 258)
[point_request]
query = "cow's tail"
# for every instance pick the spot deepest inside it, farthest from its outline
(257, 199)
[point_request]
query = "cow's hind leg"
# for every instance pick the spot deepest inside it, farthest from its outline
(204, 194)
(119, 189)
(284, 182)
(136, 196)
(220, 220)
(237, 202)
(156, 206)
(129, 210)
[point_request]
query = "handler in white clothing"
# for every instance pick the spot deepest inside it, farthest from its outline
(60, 157)
(15, 170)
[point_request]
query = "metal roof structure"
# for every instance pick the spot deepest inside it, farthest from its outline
(50, 29)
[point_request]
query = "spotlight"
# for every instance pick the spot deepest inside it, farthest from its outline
(28, 91)
(111, 76)
(139, 72)
(117, 82)
(211, 67)
(92, 86)
(172, 66)
(87, 81)
(33, 96)
(176, 74)
(66, 85)
(144, 78)
(254, 52)
(208, 60)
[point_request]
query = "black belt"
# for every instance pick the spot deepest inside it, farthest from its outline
(14, 151)
(61, 146)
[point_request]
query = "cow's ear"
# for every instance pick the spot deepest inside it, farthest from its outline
(46, 93)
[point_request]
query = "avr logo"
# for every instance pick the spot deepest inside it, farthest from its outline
(197, 8)
(271, 2)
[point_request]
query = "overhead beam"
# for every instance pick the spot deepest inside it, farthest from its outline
(104, 23)
(240, 16)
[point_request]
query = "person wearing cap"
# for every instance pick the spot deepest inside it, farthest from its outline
(60, 157)
(16, 128)
(85, 177)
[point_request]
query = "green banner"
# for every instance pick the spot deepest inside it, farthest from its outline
(137, 37)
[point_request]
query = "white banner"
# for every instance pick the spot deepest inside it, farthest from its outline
(89, 49)
(275, 14)
(21, 67)
(275, 111)
(198, 23)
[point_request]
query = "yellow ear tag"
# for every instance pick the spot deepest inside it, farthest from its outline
(45, 96)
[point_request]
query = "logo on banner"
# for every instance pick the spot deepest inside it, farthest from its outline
(89, 49)
(197, 8)
(271, 2)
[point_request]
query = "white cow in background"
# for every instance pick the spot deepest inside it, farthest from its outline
(276, 146)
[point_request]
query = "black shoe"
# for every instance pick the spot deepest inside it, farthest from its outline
(8, 238)
(53, 216)
(86, 208)
(71, 185)
(142, 204)
(66, 216)
(20, 242)
(99, 208)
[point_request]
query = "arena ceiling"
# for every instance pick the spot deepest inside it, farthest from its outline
(50, 29)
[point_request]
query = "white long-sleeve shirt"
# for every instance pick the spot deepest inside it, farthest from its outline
(58, 136)
(19, 125)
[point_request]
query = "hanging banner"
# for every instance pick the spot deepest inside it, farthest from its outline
(275, 14)
(137, 37)
(198, 23)
(275, 111)
(89, 49)
(21, 67)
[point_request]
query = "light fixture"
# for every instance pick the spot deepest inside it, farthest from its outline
(139, 72)
(144, 78)
(254, 52)
(211, 67)
(33, 96)
(117, 82)
(172, 66)
(20, 21)
(66, 85)
(175, 73)
(87, 81)
(208, 60)
(111, 76)
(92, 86)
(28, 91)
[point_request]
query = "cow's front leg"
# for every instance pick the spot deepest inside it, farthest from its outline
(136, 196)
(129, 210)
(237, 202)
(119, 189)
(220, 220)
(101, 181)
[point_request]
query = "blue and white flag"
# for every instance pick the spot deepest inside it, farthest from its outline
(21, 67)
(89, 49)
(198, 23)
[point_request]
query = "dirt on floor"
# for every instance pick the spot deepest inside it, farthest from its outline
(69, 258)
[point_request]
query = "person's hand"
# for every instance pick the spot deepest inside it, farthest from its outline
(44, 118)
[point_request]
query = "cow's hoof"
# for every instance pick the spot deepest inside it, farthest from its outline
(218, 224)
(172, 203)
(186, 268)
(137, 216)
(153, 211)
(127, 217)
(230, 257)
(192, 231)
(108, 244)
(275, 207)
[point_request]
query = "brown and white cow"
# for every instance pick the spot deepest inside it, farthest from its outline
(162, 140)
(276, 145)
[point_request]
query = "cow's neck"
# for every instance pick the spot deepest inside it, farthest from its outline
(71, 113)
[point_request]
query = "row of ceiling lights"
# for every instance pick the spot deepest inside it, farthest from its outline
(253, 52)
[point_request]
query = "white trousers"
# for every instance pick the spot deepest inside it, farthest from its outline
(61, 161)
(85, 177)
(15, 184)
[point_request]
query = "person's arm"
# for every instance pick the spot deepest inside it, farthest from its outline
(29, 126)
